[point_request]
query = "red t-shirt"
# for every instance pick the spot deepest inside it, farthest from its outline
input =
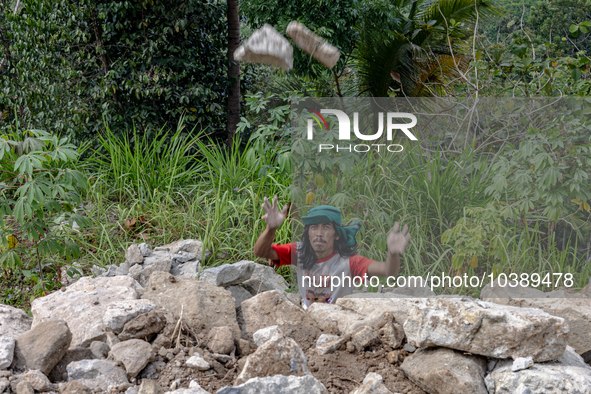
(357, 263)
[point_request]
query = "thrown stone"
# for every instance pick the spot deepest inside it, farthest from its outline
(42, 347)
(446, 371)
(486, 329)
(278, 356)
(6, 352)
(134, 255)
(372, 384)
(313, 45)
(228, 274)
(133, 354)
(264, 334)
(267, 46)
(197, 362)
(96, 374)
(278, 384)
(13, 321)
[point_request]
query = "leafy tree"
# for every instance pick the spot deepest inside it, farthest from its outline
(72, 66)
(39, 195)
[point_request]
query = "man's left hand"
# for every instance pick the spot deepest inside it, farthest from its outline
(397, 241)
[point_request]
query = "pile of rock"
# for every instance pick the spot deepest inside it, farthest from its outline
(170, 327)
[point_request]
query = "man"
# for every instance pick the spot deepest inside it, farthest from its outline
(327, 249)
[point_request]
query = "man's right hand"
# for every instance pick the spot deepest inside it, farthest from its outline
(272, 216)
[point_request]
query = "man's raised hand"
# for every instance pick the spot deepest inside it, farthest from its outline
(398, 241)
(272, 216)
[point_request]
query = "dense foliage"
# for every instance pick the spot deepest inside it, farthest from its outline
(72, 67)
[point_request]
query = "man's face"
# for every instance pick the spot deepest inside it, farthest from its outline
(322, 238)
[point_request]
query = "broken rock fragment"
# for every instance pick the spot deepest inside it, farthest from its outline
(267, 46)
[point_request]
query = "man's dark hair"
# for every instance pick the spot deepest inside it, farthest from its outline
(307, 256)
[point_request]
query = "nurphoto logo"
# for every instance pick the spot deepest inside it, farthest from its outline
(345, 130)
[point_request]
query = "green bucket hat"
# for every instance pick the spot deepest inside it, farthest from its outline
(330, 214)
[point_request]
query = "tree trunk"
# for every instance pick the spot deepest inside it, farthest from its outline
(233, 70)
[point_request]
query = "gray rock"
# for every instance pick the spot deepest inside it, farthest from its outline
(572, 306)
(83, 304)
(368, 304)
(99, 350)
(239, 293)
(278, 384)
(264, 334)
(120, 312)
(392, 334)
(280, 355)
(204, 305)
(24, 387)
(266, 45)
(313, 44)
(220, 340)
(145, 249)
(372, 384)
(38, 380)
(183, 257)
(365, 337)
(273, 308)
(522, 363)
(193, 246)
(152, 370)
(566, 375)
(98, 271)
(264, 278)
(332, 346)
(42, 347)
(13, 321)
(409, 348)
(96, 374)
(149, 386)
(59, 372)
(446, 371)
(144, 326)
(74, 387)
(189, 269)
(324, 338)
(6, 352)
(123, 269)
(134, 255)
(158, 261)
(228, 274)
(111, 271)
(4, 384)
(133, 354)
(337, 320)
(197, 362)
(486, 329)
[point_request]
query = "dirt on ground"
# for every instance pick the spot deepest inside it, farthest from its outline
(340, 372)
